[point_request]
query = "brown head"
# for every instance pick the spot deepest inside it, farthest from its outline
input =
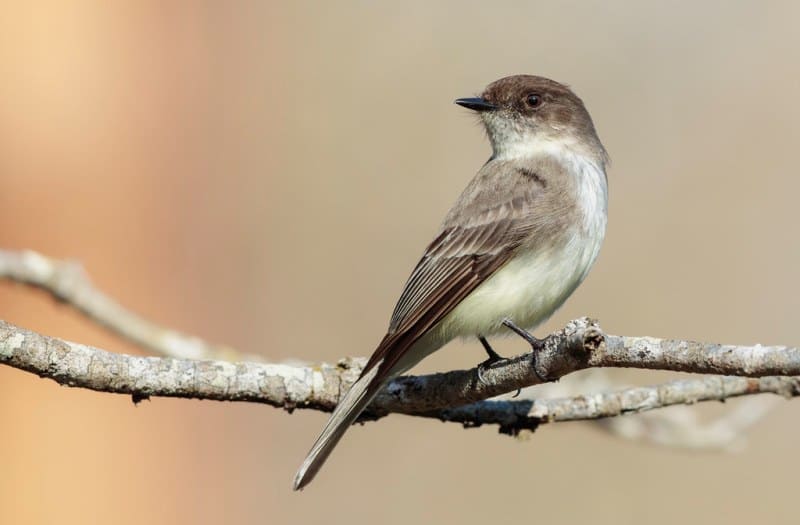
(523, 112)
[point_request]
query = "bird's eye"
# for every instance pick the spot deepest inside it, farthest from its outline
(533, 100)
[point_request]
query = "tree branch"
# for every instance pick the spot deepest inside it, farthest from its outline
(196, 369)
(67, 282)
(436, 395)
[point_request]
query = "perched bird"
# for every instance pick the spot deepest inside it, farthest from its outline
(518, 241)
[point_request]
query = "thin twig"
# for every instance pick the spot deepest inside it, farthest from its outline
(66, 281)
(683, 427)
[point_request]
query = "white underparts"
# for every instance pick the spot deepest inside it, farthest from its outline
(533, 285)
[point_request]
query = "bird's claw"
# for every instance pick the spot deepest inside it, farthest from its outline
(537, 345)
(482, 367)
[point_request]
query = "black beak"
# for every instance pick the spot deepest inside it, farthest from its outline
(476, 104)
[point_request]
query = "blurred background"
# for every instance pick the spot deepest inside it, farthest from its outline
(266, 174)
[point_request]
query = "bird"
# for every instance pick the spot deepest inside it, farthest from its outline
(518, 241)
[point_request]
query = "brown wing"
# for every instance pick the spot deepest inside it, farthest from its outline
(454, 264)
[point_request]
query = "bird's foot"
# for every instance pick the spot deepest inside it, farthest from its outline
(494, 357)
(537, 345)
(482, 367)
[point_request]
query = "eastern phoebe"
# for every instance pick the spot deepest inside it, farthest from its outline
(518, 241)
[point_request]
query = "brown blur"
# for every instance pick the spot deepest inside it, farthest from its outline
(266, 174)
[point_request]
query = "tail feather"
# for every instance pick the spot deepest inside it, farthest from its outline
(346, 412)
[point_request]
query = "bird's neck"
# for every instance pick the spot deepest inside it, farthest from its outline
(527, 146)
(585, 163)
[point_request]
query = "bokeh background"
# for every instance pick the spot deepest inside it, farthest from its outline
(266, 174)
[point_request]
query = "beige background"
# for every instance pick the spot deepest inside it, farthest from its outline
(266, 174)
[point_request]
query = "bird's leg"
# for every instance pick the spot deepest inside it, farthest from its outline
(536, 346)
(493, 358)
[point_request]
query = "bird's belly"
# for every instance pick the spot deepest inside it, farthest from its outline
(527, 290)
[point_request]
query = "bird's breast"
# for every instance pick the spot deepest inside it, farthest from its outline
(527, 289)
(538, 279)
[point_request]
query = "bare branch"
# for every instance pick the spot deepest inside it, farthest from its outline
(196, 369)
(318, 387)
(682, 427)
(522, 415)
(66, 281)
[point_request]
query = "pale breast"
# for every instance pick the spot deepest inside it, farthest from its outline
(536, 282)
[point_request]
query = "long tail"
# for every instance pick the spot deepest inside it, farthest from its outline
(348, 409)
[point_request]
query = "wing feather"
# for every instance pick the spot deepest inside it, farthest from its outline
(458, 260)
